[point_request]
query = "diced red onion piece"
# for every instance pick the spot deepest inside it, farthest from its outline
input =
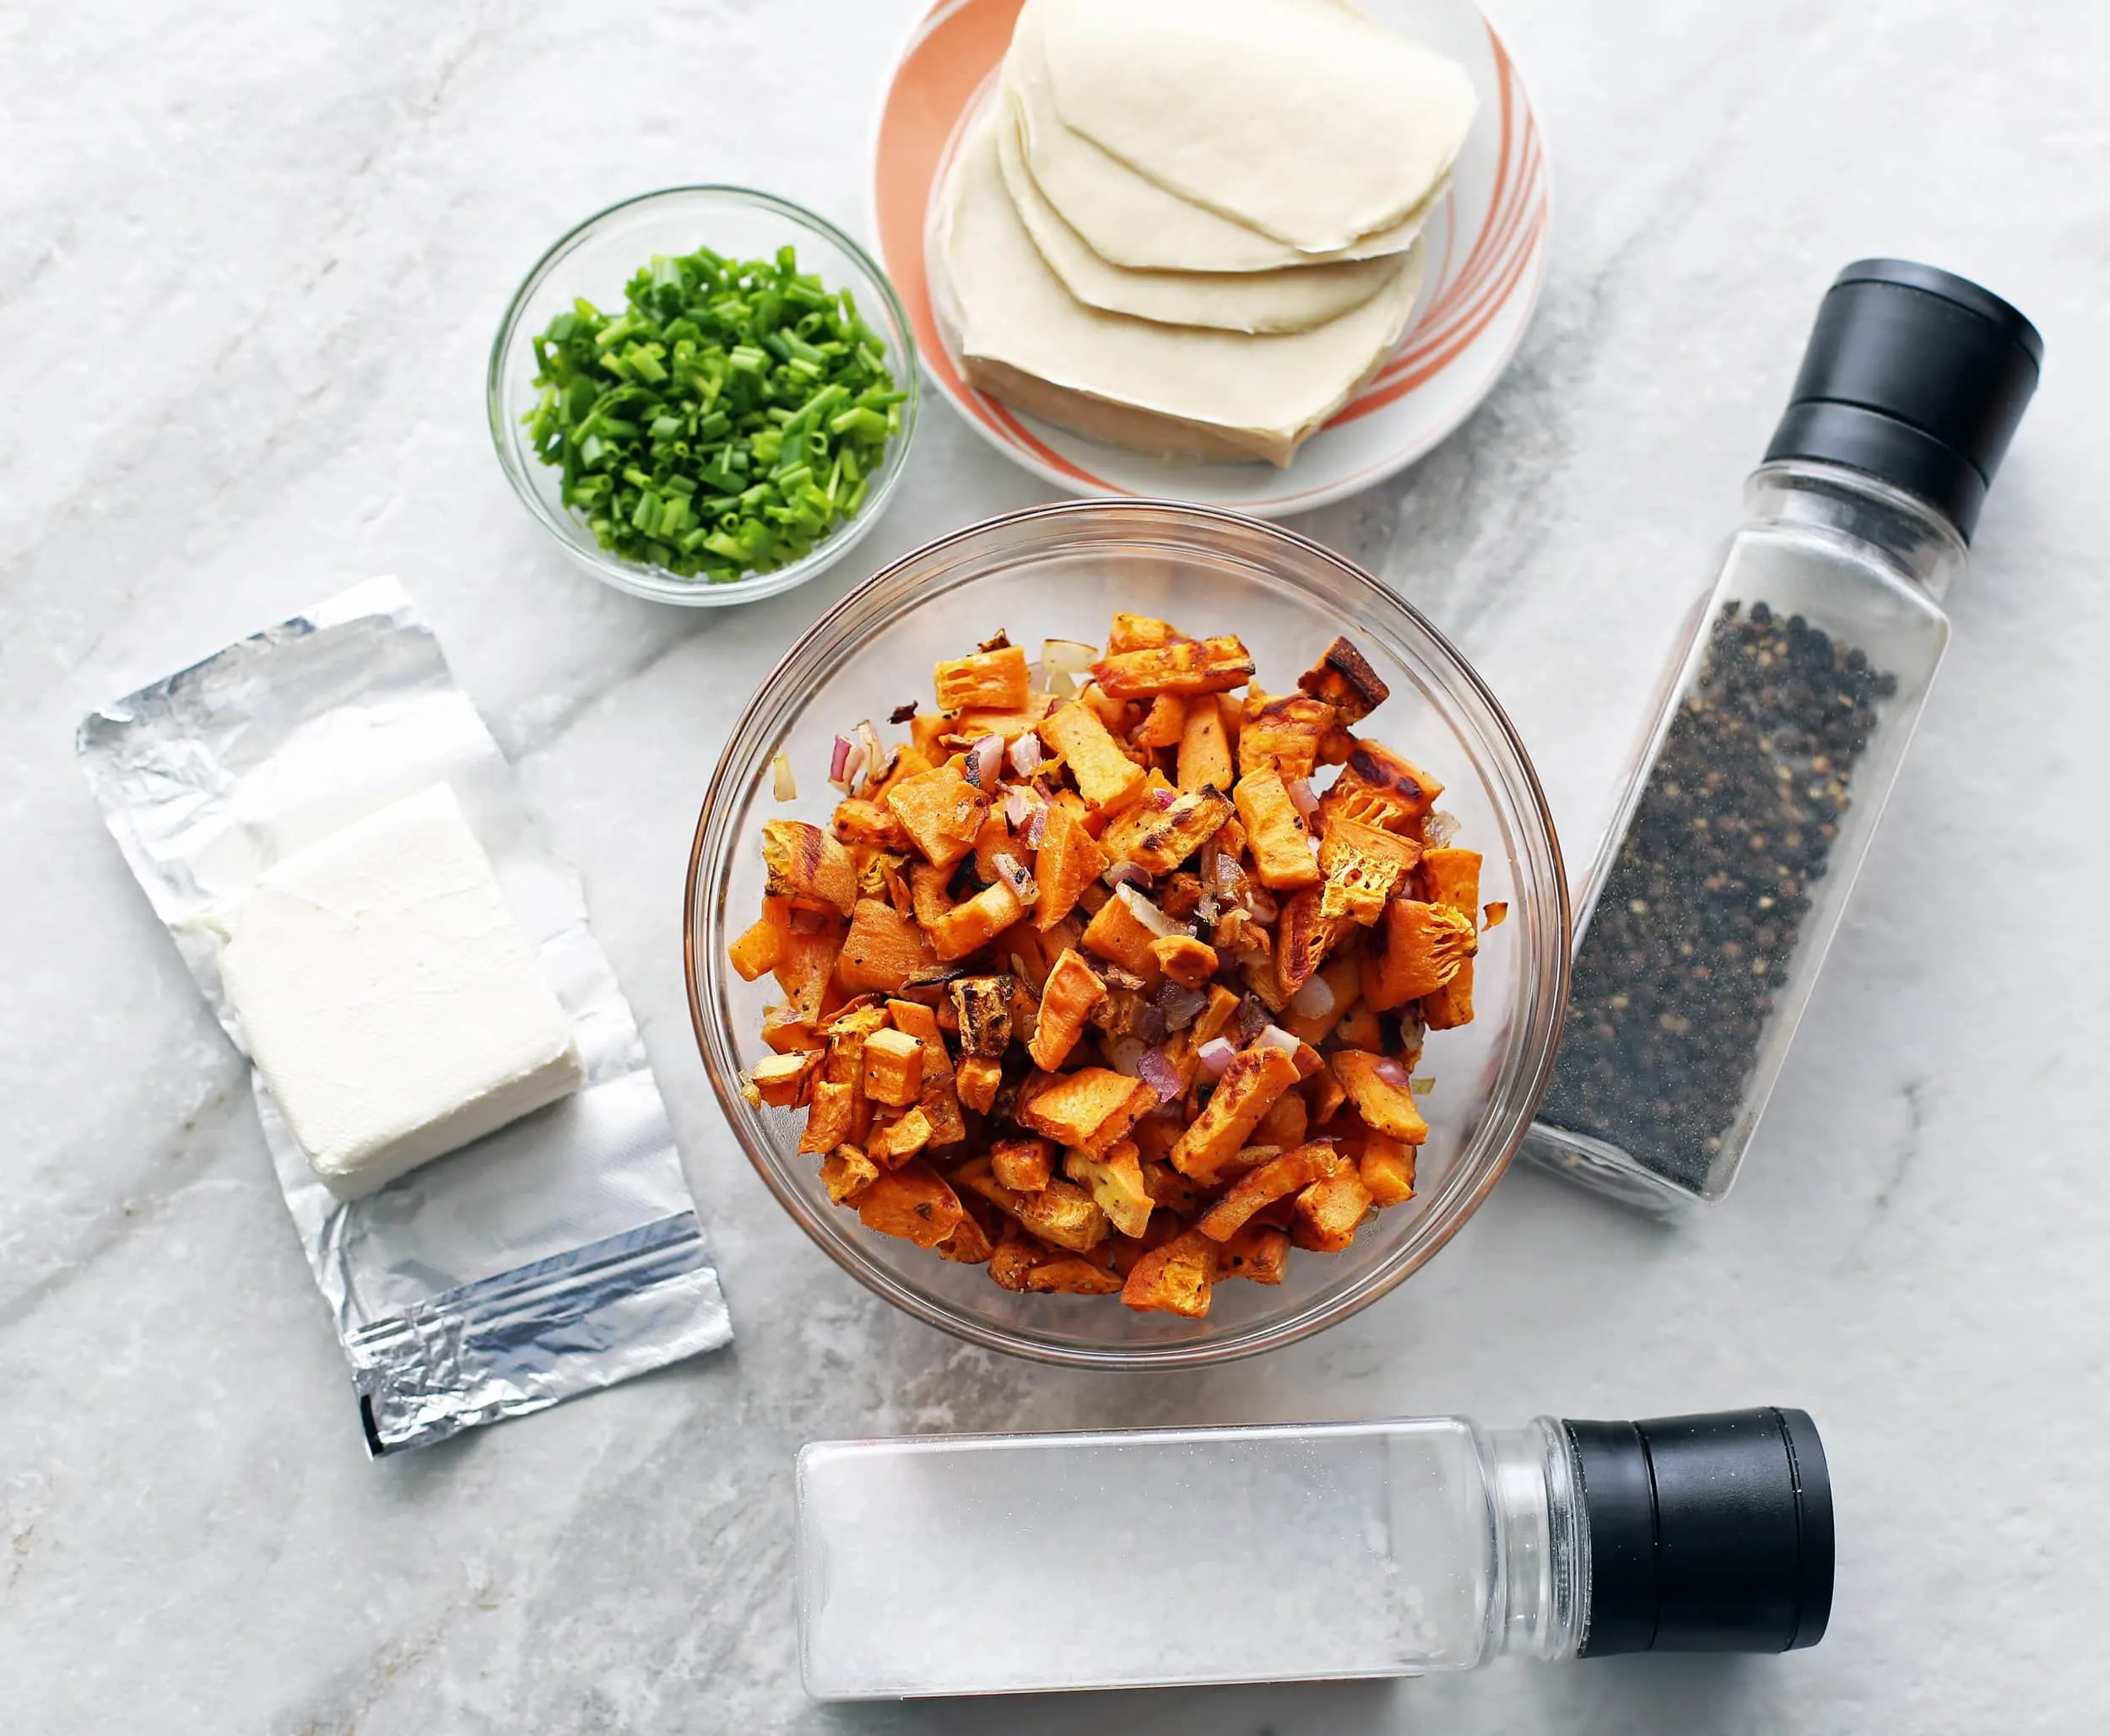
(1160, 1074)
(1036, 827)
(855, 769)
(1016, 872)
(1438, 828)
(1254, 1017)
(985, 759)
(1422, 1087)
(839, 760)
(1163, 799)
(1273, 1036)
(1315, 1000)
(1215, 1055)
(1299, 790)
(1018, 805)
(1180, 1005)
(1150, 1025)
(1148, 913)
(1260, 902)
(1125, 874)
(1025, 754)
(1393, 1073)
(806, 921)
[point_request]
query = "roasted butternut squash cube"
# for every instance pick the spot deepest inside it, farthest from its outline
(1090, 1108)
(1070, 1107)
(913, 1202)
(993, 680)
(892, 1143)
(1302, 939)
(976, 1080)
(939, 1100)
(1360, 1027)
(1022, 1166)
(828, 1119)
(1286, 1124)
(1276, 1179)
(1257, 1253)
(941, 812)
(787, 1031)
(868, 823)
(1191, 666)
(1063, 1214)
(1073, 989)
(984, 1005)
(1379, 1091)
(806, 867)
(1114, 1182)
(786, 1081)
(1011, 1261)
(1330, 1210)
(1161, 830)
(1451, 877)
(1069, 859)
(846, 1172)
(1256, 1076)
(1011, 722)
(1188, 961)
(806, 963)
(1204, 757)
(893, 1068)
(1169, 1189)
(1071, 1275)
(967, 926)
(1134, 632)
(1364, 866)
(884, 950)
(1106, 776)
(1275, 832)
(1343, 678)
(1426, 946)
(969, 1243)
(1176, 1278)
(1120, 933)
(1282, 733)
(1161, 724)
(1386, 1167)
(761, 944)
(1381, 789)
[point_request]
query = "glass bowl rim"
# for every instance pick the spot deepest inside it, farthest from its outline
(727, 781)
(635, 577)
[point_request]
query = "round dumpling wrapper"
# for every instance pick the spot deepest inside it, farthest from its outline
(1300, 118)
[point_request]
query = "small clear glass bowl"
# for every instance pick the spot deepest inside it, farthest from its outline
(1059, 571)
(595, 260)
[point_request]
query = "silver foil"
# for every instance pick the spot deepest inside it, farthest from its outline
(560, 1254)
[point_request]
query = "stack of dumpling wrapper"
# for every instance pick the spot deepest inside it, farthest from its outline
(1192, 227)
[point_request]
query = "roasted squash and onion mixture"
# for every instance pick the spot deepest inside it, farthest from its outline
(1095, 988)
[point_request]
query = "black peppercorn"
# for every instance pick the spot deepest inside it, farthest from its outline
(1696, 925)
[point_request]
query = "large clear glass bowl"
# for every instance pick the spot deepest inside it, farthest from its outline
(1059, 571)
(596, 260)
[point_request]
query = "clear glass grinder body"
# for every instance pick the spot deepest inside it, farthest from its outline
(1015, 1563)
(1809, 659)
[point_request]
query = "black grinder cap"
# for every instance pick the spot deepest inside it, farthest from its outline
(1707, 1534)
(1915, 376)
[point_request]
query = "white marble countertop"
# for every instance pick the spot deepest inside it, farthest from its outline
(249, 260)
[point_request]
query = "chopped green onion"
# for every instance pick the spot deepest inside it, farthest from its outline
(754, 407)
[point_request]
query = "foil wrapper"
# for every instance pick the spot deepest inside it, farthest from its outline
(560, 1254)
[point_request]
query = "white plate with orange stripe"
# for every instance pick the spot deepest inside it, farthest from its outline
(1487, 253)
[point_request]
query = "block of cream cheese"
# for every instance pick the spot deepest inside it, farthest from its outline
(389, 998)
